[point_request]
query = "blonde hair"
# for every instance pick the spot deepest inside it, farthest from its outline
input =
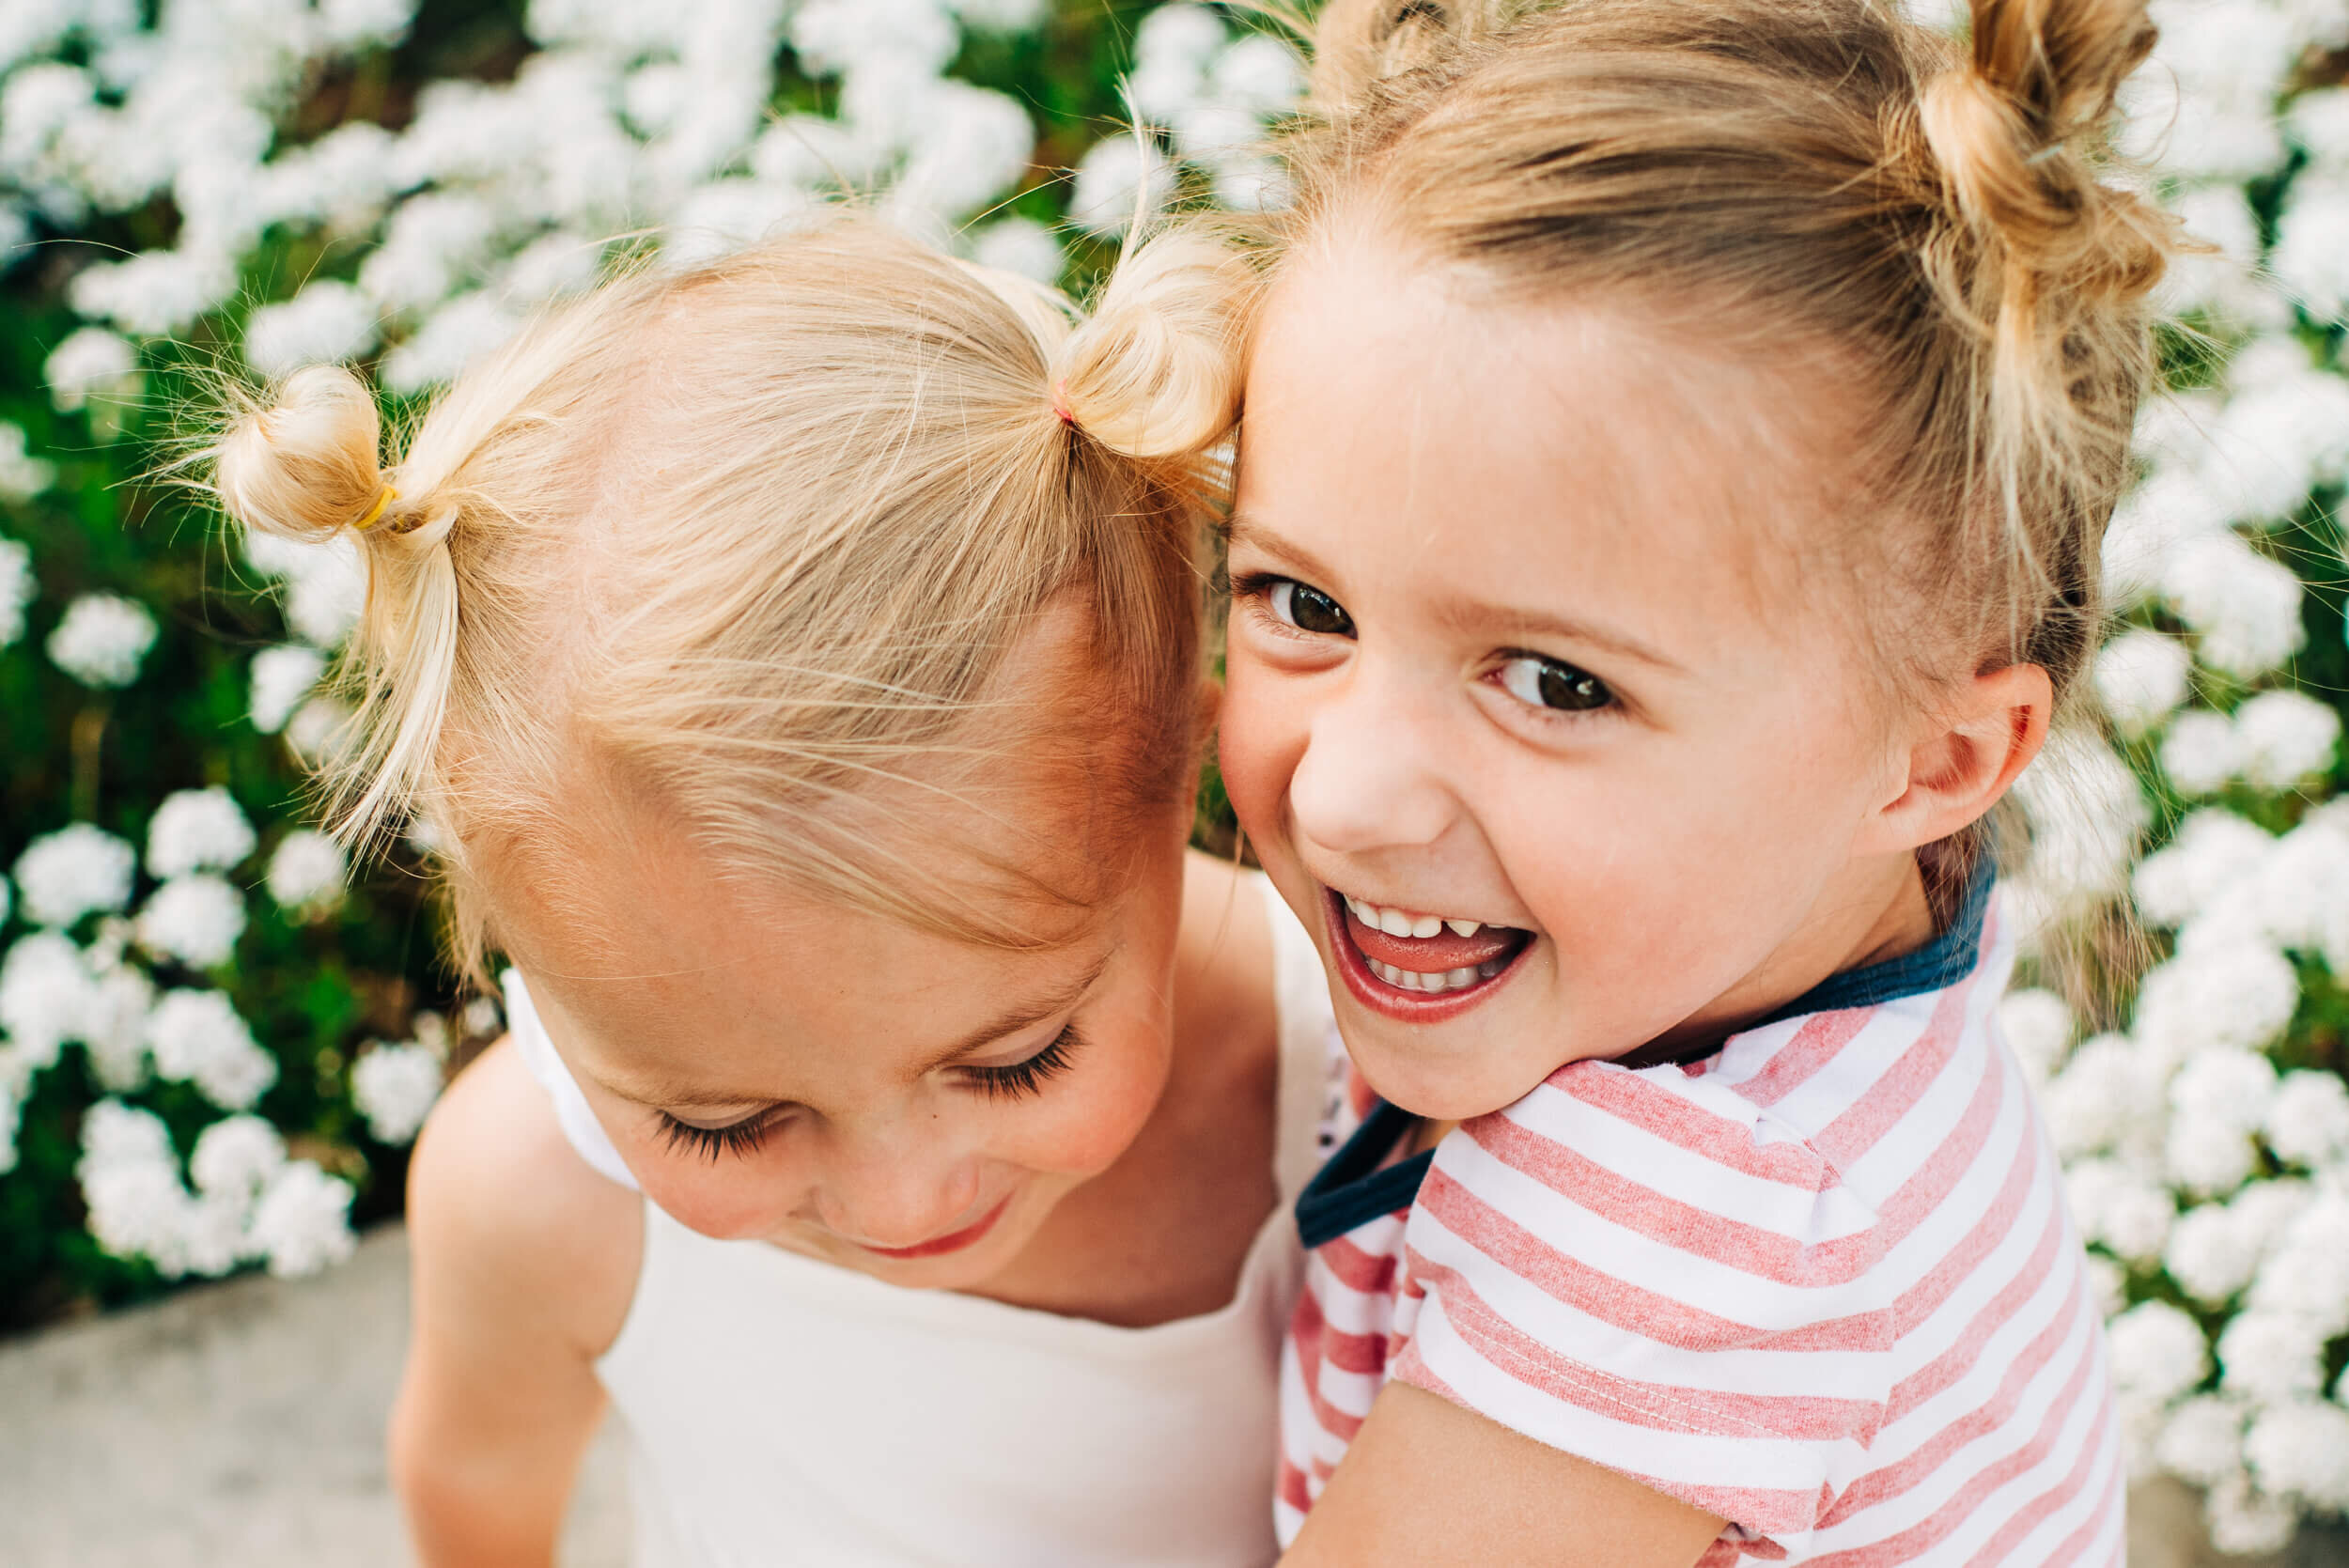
(757, 537)
(1824, 181)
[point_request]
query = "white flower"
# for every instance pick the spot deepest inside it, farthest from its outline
(46, 995)
(2306, 1275)
(482, 1017)
(2229, 1088)
(17, 589)
(431, 244)
(2141, 675)
(1020, 245)
(394, 1086)
(114, 1027)
(2173, 506)
(2307, 1120)
(195, 919)
(197, 1037)
(975, 145)
(2211, 1253)
(282, 677)
(2212, 851)
(1259, 73)
(302, 1221)
(2038, 1028)
(155, 293)
(75, 871)
(2236, 993)
(2285, 430)
(2301, 1448)
(2311, 255)
(236, 1156)
(306, 872)
(102, 639)
(2270, 1356)
(91, 364)
(458, 334)
(2202, 1439)
(196, 830)
(2201, 753)
(2202, 1155)
(327, 323)
(2116, 1206)
(319, 730)
(23, 476)
(2246, 606)
(2285, 736)
(1120, 178)
(2319, 121)
(2110, 1089)
(2243, 1521)
(2158, 1351)
(2086, 812)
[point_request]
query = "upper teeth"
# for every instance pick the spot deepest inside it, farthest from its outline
(1402, 922)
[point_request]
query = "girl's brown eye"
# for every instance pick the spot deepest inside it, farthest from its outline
(1308, 608)
(1553, 684)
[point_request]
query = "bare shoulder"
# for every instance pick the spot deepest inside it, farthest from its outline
(504, 1218)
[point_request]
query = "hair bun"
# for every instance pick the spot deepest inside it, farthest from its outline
(306, 466)
(2017, 131)
(1155, 372)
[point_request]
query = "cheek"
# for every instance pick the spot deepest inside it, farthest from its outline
(1259, 740)
(1088, 1121)
(724, 1200)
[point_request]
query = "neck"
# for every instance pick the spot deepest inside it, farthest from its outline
(1876, 911)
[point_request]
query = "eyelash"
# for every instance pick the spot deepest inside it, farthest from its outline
(1254, 589)
(1018, 1081)
(1021, 1080)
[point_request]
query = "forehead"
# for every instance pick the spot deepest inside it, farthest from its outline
(1568, 435)
(681, 985)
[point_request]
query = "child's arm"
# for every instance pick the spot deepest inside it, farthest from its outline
(524, 1264)
(1429, 1483)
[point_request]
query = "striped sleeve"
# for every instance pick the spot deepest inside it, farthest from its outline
(1641, 1268)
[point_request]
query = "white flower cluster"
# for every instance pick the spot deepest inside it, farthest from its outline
(1212, 95)
(395, 1085)
(2203, 1164)
(2191, 1154)
(250, 1203)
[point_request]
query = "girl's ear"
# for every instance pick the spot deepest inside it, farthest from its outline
(1980, 742)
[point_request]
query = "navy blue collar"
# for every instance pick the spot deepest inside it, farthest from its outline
(1355, 1187)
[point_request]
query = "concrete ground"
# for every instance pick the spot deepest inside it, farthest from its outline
(243, 1423)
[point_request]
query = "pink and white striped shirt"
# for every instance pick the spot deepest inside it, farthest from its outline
(1821, 1283)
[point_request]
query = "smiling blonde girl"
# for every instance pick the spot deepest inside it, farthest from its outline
(1679, 434)
(798, 657)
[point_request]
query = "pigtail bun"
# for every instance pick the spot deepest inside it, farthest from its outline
(305, 467)
(1358, 45)
(2020, 132)
(1155, 371)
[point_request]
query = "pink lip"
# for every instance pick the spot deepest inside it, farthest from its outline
(1401, 1006)
(954, 1241)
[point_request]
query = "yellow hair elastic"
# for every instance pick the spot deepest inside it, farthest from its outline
(375, 513)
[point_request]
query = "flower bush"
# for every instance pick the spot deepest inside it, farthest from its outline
(219, 1036)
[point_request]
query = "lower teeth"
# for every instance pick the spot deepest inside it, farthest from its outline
(1452, 980)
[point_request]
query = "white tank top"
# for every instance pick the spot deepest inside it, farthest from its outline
(782, 1410)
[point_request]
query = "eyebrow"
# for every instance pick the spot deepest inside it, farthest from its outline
(655, 1092)
(1464, 615)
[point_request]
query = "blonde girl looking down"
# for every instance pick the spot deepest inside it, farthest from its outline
(1678, 439)
(799, 659)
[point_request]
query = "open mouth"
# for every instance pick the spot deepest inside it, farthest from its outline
(1419, 967)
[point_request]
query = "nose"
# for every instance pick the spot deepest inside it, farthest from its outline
(1369, 778)
(888, 1192)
